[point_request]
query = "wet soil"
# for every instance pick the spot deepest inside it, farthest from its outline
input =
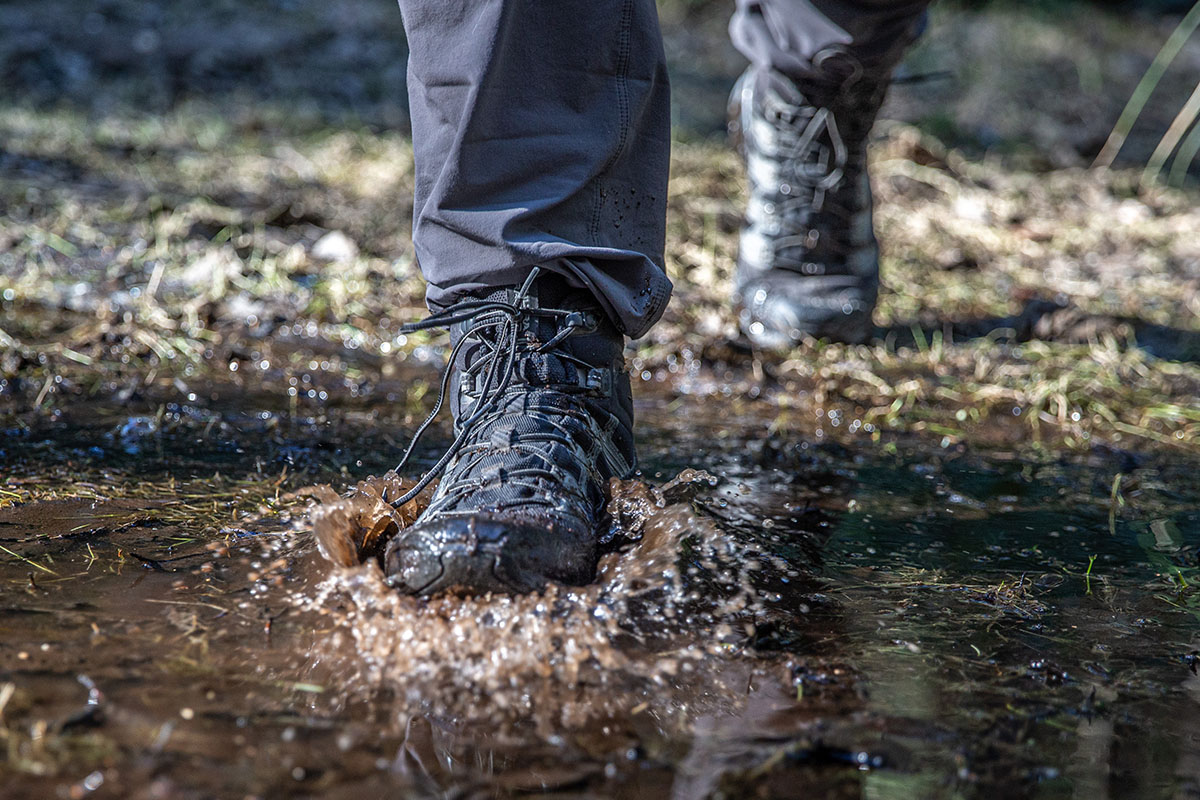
(960, 562)
(779, 615)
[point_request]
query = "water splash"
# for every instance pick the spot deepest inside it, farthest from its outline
(675, 591)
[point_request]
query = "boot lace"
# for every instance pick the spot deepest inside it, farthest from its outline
(496, 325)
(812, 144)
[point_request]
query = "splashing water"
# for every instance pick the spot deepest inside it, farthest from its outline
(644, 628)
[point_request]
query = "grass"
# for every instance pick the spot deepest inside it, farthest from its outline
(1141, 95)
(154, 255)
(1014, 597)
(189, 257)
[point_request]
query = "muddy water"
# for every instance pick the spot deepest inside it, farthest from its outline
(776, 617)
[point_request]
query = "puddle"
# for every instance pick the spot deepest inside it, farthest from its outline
(775, 618)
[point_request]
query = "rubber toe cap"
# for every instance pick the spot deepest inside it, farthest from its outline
(484, 553)
(779, 314)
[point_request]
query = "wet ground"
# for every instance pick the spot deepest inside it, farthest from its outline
(958, 562)
(819, 616)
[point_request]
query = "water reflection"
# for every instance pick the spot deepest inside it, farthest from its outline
(796, 620)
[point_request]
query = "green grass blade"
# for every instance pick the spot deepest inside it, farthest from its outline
(1185, 157)
(1146, 86)
(1179, 126)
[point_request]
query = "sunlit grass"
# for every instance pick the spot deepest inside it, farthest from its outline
(175, 245)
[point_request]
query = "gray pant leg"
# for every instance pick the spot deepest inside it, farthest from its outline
(790, 36)
(541, 135)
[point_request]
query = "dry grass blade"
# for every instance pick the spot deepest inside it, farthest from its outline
(29, 561)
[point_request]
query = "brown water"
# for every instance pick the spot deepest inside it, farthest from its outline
(778, 616)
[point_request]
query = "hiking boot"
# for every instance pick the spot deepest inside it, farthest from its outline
(543, 418)
(808, 262)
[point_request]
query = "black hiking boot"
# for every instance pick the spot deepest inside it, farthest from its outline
(543, 418)
(808, 262)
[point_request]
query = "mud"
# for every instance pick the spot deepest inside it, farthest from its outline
(792, 617)
(959, 562)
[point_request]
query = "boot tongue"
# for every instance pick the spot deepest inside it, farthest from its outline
(568, 365)
(838, 80)
(549, 290)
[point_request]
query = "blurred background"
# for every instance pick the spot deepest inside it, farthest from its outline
(186, 187)
(1051, 76)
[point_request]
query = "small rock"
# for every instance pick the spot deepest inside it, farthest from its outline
(335, 246)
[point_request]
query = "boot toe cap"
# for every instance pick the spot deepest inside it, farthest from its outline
(778, 314)
(480, 553)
